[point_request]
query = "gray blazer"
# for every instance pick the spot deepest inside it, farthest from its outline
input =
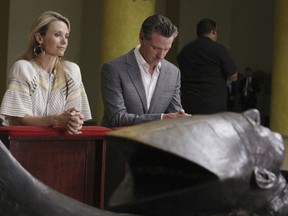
(124, 96)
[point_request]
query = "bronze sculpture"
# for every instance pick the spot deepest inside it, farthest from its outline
(222, 164)
(23, 195)
(216, 165)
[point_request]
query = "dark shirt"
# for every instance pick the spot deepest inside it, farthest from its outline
(205, 66)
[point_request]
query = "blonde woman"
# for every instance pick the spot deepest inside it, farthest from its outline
(44, 89)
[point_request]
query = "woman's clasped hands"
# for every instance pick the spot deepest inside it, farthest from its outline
(72, 120)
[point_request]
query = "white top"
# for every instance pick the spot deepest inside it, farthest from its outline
(34, 92)
(149, 81)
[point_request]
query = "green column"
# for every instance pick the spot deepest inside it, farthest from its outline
(279, 91)
(121, 24)
(279, 94)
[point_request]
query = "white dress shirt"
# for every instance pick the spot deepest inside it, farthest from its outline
(149, 81)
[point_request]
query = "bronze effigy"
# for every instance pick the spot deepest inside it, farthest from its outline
(216, 165)
(23, 195)
(222, 164)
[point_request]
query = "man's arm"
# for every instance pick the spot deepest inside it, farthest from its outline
(175, 104)
(175, 109)
(229, 66)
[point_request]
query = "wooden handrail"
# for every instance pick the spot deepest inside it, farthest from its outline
(50, 131)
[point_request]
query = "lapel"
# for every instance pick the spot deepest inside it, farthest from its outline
(160, 87)
(135, 77)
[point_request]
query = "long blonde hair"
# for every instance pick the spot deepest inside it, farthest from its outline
(41, 25)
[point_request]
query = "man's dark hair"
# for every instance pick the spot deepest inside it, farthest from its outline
(205, 26)
(159, 24)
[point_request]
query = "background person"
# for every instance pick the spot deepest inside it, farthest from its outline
(141, 85)
(44, 89)
(249, 87)
(205, 67)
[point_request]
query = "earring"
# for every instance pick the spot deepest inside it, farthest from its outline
(38, 50)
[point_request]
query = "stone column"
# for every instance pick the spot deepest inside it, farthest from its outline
(279, 86)
(121, 24)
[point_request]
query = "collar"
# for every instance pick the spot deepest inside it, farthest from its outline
(141, 61)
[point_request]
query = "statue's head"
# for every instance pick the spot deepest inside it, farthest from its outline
(221, 164)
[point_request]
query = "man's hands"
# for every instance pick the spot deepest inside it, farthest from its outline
(180, 114)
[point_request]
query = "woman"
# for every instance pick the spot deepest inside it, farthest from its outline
(44, 89)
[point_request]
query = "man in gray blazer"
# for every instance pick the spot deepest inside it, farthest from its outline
(141, 85)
